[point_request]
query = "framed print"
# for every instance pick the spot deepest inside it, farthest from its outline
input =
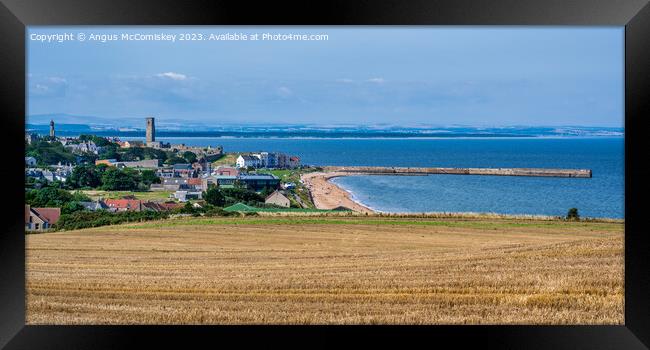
(469, 172)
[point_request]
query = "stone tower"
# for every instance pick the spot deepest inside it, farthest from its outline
(151, 130)
(51, 128)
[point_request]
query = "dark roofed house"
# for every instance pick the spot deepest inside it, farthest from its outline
(94, 206)
(259, 182)
(41, 219)
(182, 166)
(153, 206)
(170, 205)
(183, 170)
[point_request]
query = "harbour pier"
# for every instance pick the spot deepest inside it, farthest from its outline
(532, 172)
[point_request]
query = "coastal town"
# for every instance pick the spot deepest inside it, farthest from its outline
(67, 176)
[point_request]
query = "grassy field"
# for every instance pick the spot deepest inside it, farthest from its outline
(329, 270)
(147, 195)
(229, 159)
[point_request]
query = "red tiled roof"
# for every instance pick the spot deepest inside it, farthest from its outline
(123, 203)
(194, 181)
(50, 215)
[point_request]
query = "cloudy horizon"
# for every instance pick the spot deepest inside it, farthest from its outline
(370, 75)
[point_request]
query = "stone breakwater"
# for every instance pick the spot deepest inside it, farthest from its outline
(543, 172)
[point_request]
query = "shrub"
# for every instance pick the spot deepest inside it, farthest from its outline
(219, 212)
(572, 214)
(86, 219)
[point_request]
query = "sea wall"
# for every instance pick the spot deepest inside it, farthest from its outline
(543, 172)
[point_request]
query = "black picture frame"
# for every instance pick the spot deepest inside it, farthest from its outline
(15, 15)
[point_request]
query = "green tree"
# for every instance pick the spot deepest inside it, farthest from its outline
(190, 157)
(215, 197)
(175, 160)
(85, 175)
(234, 195)
(152, 153)
(110, 152)
(48, 197)
(48, 153)
(115, 179)
(71, 207)
(132, 154)
(149, 177)
(87, 157)
(98, 140)
(572, 214)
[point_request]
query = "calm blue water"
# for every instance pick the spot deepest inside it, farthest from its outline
(600, 196)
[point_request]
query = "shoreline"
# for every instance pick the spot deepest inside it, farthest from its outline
(328, 195)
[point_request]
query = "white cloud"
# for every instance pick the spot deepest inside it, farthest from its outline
(172, 75)
(345, 80)
(57, 80)
(376, 80)
(285, 91)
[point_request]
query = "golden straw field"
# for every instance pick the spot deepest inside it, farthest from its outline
(329, 270)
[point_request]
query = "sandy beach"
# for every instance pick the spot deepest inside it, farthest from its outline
(327, 195)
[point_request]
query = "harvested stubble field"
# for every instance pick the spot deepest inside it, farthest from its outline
(356, 270)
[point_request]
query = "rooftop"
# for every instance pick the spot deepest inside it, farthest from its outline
(258, 177)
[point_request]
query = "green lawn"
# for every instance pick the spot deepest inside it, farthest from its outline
(229, 159)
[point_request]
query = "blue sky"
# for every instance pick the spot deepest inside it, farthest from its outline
(483, 76)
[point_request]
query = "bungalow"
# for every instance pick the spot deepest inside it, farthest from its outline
(41, 219)
(124, 204)
(94, 206)
(170, 205)
(183, 196)
(277, 198)
(152, 206)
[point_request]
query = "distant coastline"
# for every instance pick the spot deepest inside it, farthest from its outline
(334, 132)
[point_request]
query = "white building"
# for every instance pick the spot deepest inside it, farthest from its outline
(83, 147)
(183, 196)
(248, 161)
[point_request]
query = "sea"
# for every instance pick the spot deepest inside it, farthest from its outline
(601, 196)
